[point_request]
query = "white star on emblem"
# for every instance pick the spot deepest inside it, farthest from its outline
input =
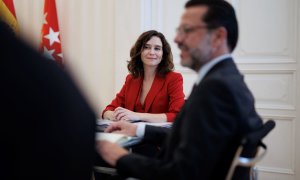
(48, 53)
(45, 20)
(52, 36)
(60, 55)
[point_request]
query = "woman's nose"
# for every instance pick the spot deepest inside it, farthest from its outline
(152, 51)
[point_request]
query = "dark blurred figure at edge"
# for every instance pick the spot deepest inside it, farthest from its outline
(47, 130)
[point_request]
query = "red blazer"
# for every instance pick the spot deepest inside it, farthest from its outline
(165, 95)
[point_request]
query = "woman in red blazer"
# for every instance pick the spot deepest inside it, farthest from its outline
(152, 91)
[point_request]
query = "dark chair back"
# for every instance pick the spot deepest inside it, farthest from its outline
(248, 153)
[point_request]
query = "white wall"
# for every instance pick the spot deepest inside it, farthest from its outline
(98, 34)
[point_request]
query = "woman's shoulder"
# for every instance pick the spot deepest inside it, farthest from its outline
(173, 75)
(131, 78)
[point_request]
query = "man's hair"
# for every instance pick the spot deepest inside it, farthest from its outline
(135, 64)
(220, 14)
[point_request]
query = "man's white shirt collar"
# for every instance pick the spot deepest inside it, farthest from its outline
(206, 67)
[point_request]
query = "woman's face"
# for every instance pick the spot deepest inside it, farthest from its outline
(152, 52)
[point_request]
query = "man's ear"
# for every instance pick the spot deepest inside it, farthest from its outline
(220, 37)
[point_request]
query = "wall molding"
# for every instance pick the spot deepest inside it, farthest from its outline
(276, 170)
(151, 15)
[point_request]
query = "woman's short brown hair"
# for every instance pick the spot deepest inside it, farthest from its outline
(135, 64)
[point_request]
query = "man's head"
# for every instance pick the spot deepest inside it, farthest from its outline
(208, 29)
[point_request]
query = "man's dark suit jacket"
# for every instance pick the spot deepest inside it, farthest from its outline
(47, 128)
(205, 134)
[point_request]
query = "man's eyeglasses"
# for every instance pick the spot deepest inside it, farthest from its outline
(186, 30)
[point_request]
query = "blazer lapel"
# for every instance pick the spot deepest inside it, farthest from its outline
(133, 92)
(157, 84)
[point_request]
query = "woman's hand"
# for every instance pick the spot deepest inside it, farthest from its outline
(125, 114)
(109, 115)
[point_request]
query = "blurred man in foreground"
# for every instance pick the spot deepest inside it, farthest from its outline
(48, 129)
